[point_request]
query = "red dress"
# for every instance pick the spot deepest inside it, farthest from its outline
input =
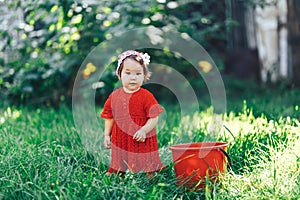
(130, 112)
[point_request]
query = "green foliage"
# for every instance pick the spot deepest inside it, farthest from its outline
(47, 41)
(49, 49)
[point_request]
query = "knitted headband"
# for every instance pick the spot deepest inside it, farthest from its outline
(122, 56)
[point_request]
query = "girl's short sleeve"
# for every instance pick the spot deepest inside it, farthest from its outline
(153, 109)
(107, 109)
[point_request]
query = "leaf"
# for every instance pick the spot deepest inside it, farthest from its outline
(76, 19)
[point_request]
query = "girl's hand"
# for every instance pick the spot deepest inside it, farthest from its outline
(107, 142)
(140, 135)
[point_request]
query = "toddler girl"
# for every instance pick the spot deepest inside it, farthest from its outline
(131, 114)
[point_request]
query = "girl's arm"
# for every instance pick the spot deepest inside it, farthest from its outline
(140, 135)
(150, 124)
(108, 126)
(107, 131)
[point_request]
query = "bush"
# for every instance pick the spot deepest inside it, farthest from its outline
(46, 45)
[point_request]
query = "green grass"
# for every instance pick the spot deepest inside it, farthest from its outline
(42, 155)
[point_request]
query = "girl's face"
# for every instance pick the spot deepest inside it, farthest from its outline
(132, 75)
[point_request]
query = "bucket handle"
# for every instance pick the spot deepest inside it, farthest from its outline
(227, 156)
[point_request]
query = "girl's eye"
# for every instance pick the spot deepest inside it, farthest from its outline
(128, 73)
(138, 74)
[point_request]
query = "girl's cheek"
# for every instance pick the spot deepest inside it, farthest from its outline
(124, 76)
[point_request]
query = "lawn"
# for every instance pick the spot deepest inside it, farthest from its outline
(42, 155)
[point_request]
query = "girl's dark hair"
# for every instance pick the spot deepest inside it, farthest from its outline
(138, 59)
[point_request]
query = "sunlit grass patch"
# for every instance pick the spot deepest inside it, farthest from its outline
(9, 113)
(275, 176)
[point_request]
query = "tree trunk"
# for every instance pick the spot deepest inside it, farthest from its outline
(283, 39)
(238, 34)
(294, 37)
(250, 27)
(267, 40)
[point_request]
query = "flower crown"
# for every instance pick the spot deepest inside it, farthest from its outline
(122, 56)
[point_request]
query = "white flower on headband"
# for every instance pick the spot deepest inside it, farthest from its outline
(146, 58)
(121, 57)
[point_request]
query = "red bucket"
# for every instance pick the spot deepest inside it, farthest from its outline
(196, 161)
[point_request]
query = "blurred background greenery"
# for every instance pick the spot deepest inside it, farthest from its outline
(43, 43)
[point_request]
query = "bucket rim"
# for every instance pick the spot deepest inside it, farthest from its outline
(204, 146)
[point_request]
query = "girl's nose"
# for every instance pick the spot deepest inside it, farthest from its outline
(133, 76)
